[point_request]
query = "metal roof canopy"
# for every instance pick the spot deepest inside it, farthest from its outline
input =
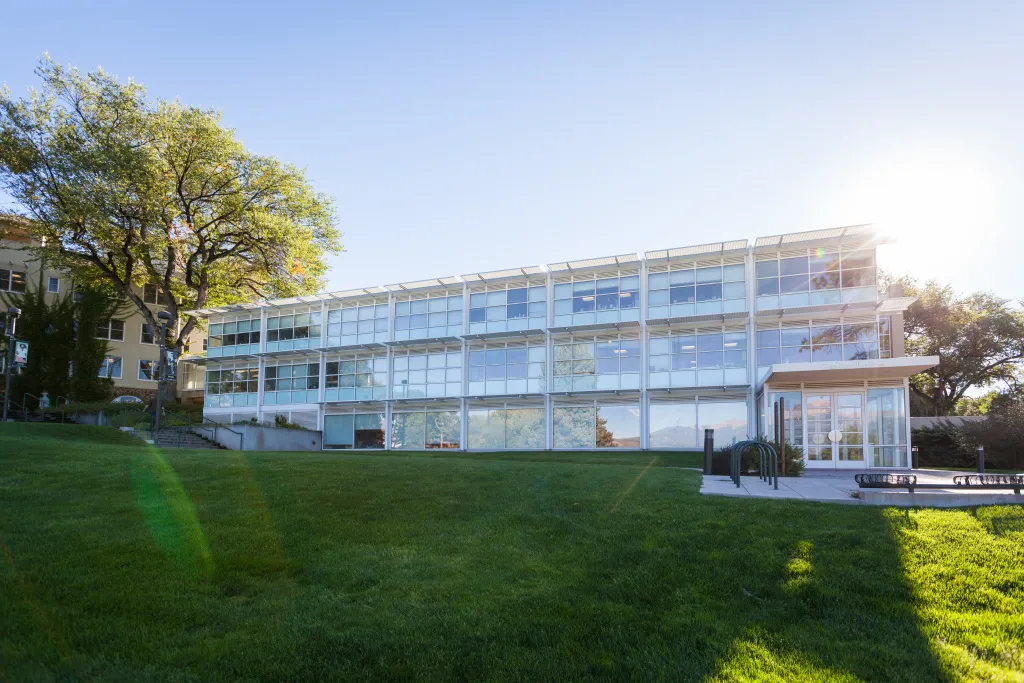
(433, 283)
(846, 370)
(594, 263)
(697, 319)
(894, 305)
(506, 274)
(594, 327)
(712, 249)
(865, 233)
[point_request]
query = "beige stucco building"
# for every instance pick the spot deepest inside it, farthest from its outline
(132, 352)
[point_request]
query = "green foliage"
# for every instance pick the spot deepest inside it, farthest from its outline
(979, 339)
(152, 565)
(281, 422)
(750, 460)
(123, 190)
(60, 330)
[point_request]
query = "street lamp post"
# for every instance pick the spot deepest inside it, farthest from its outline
(12, 315)
(164, 317)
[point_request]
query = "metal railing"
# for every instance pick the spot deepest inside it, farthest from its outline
(214, 428)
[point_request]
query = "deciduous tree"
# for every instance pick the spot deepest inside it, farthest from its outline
(124, 190)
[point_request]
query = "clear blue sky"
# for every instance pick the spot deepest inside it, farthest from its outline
(462, 137)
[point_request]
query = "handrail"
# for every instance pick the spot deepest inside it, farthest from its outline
(218, 425)
(24, 403)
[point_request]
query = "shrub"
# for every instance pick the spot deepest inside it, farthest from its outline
(750, 460)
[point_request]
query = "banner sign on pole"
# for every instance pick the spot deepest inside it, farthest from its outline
(20, 352)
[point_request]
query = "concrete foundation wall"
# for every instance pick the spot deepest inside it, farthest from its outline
(258, 438)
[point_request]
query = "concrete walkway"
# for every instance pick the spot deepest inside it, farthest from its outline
(831, 486)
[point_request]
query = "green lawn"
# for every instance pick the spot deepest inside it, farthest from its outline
(124, 563)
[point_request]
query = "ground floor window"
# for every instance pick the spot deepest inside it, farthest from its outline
(887, 427)
(596, 426)
(111, 367)
(361, 430)
(507, 427)
(682, 425)
(426, 430)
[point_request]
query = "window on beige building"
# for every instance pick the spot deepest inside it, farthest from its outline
(111, 329)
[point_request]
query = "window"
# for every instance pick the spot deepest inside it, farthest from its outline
(684, 289)
(12, 281)
(146, 335)
(356, 377)
(149, 370)
(513, 307)
(110, 329)
(823, 340)
(358, 323)
(154, 294)
(231, 385)
(793, 423)
(682, 425)
(887, 427)
(293, 331)
(111, 367)
(419, 430)
(290, 382)
(604, 299)
(53, 285)
(432, 373)
(593, 363)
(698, 358)
(816, 277)
(510, 426)
(359, 430)
(507, 368)
(233, 337)
(437, 316)
(596, 426)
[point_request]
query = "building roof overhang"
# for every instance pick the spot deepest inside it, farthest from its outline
(861, 235)
(850, 370)
(698, 251)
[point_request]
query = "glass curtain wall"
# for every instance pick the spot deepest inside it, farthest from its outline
(356, 377)
(228, 338)
(427, 429)
(794, 421)
(585, 301)
(515, 307)
(682, 425)
(887, 427)
(439, 315)
(510, 427)
(229, 386)
(358, 323)
(432, 373)
(354, 430)
(819, 341)
(596, 426)
(299, 330)
(685, 290)
(507, 368)
(596, 363)
(291, 382)
(697, 358)
(816, 277)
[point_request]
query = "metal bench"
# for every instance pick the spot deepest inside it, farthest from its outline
(973, 482)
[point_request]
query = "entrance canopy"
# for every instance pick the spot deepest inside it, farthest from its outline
(846, 370)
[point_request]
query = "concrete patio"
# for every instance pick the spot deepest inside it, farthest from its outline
(839, 487)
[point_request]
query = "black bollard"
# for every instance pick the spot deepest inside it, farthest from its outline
(981, 459)
(709, 449)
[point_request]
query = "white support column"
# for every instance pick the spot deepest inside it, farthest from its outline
(750, 285)
(644, 416)
(388, 411)
(261, 364)
(263, 330)
(320, 391)
(463, 424)
(549, 355)
(906, 407)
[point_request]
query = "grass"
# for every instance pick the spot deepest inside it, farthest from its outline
(125, 563)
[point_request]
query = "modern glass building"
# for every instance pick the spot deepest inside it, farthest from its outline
(628, 352)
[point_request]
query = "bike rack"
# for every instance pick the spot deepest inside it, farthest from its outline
(768, 468)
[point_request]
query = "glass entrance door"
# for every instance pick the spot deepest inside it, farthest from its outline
(835, 430)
